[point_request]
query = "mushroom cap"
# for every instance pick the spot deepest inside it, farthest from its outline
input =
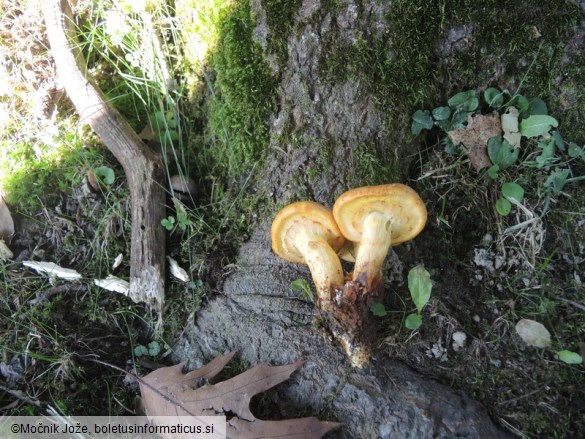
(401, 203)
(303, 216)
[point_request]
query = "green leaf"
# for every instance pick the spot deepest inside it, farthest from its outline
(421, 120)
(503, 206)
(441, 113)
(449, 147)
(494, 97)
(465, 100)
(413, 321)
(105, 173)
(153, 348)
(501, 153)
(459, 118)
(574, 150)
(140, 351)
(513, 190)
(558, 140)
(168, 222)
(493, 172)
(537, 125)
(569, 357)
(537, 107)
(420, 286)
(378, 310)
(557, 180)
(299, 285)
(520, 102)
(445, 125)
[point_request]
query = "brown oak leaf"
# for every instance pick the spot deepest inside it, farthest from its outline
(480, 128)
(169, 392)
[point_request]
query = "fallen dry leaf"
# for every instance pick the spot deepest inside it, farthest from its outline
(480, 128)
(6, 223)
(509, 122)
(169, 392)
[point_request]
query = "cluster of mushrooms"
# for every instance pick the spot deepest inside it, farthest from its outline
(364, 223)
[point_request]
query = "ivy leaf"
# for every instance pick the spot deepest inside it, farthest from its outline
(494, 97)
(421, 120)
(537, 107)
(441, 113)
(520, 102)
(420, 286)
(569, 357)
(465, 100)
(537, 125)
(501, 153)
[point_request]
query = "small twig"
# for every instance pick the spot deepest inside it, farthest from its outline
(570, 302)
(540, 389)
(47, 295)
(21, 396)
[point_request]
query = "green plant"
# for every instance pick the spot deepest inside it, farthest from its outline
(105, 173)
(536, 335)
(420, 286)
(529, 140)
(152, 349)
(304, 288)
(511, 193)
(378, 310)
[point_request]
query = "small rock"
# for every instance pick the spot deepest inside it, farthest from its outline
(476, 318)
(459, 339)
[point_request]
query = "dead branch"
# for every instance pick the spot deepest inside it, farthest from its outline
(143, 167)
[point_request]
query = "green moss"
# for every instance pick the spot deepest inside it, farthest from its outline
(399, 67)
(403, 70)
(280, 19)
(243, 92)
(371, 167)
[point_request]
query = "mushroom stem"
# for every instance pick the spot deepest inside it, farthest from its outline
(373, 248)
(322, 261)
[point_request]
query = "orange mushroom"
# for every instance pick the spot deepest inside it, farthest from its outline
(305, 232)
(374, 218)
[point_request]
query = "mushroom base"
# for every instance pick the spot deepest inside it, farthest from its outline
(352, 323)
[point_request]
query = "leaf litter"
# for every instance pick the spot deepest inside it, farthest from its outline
(169, 392)
(480, 128)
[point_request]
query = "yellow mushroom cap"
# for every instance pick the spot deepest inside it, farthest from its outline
(399, 202)
(306, 217)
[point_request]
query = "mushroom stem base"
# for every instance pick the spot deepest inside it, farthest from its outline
(351, 322)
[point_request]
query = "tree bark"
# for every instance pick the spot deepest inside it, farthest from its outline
(143, 168)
